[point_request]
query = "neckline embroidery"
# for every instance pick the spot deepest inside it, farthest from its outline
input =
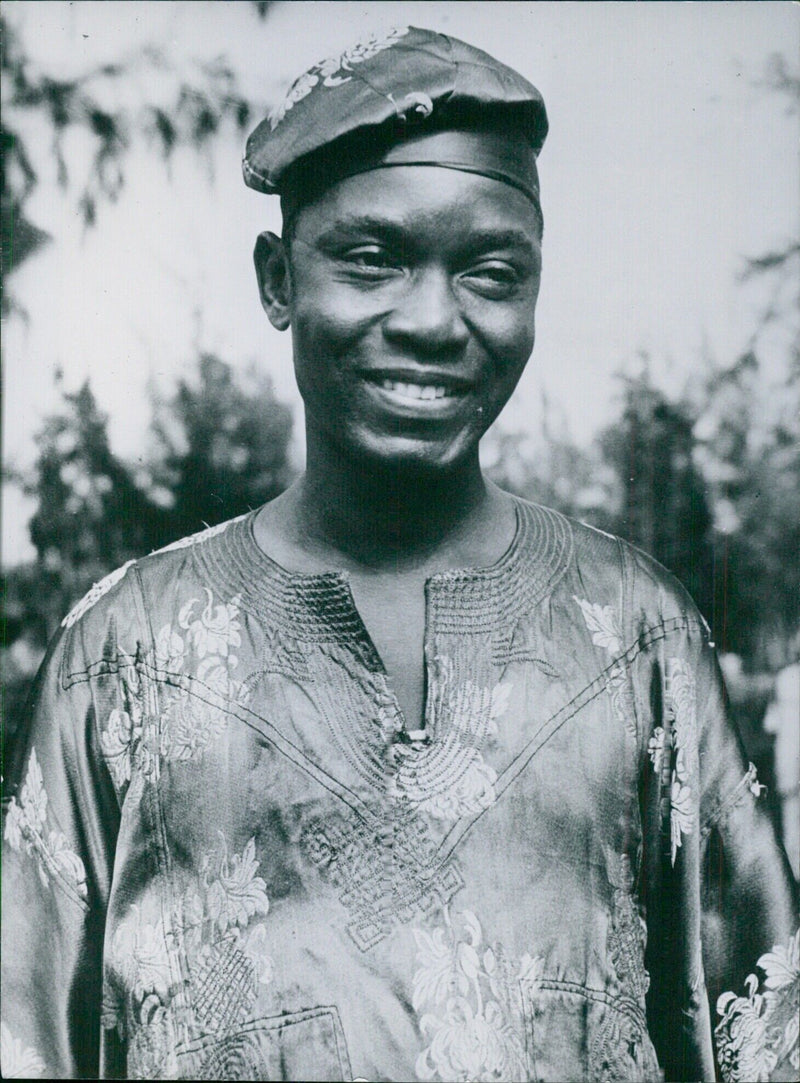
(319, 608)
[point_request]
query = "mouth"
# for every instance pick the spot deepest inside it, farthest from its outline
(424, 390)
(414, 392)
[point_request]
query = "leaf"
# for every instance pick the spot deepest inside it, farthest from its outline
(602, 623)
(473, 927)
(468, 961)
(781, 965)
(33, 798)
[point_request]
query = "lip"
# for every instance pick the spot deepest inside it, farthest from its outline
(422, 377)
(429, 395)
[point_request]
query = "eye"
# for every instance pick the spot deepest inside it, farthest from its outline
(492, 278)
(371, 259)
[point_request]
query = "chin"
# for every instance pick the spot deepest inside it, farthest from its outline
(416, 458)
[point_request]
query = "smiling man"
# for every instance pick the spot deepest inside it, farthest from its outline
(398, 776)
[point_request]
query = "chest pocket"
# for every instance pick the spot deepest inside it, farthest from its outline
(582, 1034)
(307, 1044)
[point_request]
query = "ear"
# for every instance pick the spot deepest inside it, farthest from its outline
(274, 279)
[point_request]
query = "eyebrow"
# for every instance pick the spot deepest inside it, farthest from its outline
(362, 224)
(396, 233)
(499, 238)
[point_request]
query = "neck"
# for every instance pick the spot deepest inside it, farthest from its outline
(387, 516)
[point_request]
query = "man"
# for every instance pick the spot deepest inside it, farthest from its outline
(397, 776)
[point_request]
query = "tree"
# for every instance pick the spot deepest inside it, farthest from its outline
(749, 452)
(219, 448)
(663, 508)
(222, 447)
(139, 96)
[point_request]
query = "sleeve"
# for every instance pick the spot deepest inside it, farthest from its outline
(720, 900)
(749, 907)
(61, 818)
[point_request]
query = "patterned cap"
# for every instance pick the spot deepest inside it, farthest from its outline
(351, 113)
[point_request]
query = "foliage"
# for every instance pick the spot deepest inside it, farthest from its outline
(141, 96)
(220, 446)
(664, 508)
(748, 447)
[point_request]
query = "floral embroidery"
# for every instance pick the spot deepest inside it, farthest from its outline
(214, 923)
(26, 826)
(238, 894)
(93, 596)
(335, 71)
(655, 749)
(16, 1060)
(211, 634)
(129, 738)
(681, 818)
(760, 1030)
(140, 955)
(681, 703)
(216, 630)
(626, 944)
(602, 623)
(450, 778)
(472, 995)
(137, 735)
(621, 1050)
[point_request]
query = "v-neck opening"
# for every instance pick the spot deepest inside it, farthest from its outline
(365, 637)
(469, 613)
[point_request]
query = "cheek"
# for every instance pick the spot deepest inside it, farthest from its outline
(508, 338)
(327, 319)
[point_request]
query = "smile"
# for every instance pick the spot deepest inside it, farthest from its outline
(418, 392)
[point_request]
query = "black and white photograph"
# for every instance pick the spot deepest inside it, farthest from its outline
(401, 540)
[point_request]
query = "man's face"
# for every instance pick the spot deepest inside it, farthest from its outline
(412, 301)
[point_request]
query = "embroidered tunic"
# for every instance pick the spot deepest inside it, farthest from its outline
(226, 858)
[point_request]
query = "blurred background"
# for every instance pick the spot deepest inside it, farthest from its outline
(146, 395)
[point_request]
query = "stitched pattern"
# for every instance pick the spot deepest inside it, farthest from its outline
(383, 871)
(627, 934)
(449, 778)
(619, 1052)
(319, 608)
(626, 944)
(215, 923)
(305, 1044)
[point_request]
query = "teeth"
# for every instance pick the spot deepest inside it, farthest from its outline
(414, 391)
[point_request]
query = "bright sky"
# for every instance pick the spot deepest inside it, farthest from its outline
(665, 167)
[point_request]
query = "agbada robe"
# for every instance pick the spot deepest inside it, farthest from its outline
(230, 855)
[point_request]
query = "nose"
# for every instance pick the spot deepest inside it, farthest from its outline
(427, 315)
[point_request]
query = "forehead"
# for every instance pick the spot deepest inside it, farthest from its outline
(425, 202)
